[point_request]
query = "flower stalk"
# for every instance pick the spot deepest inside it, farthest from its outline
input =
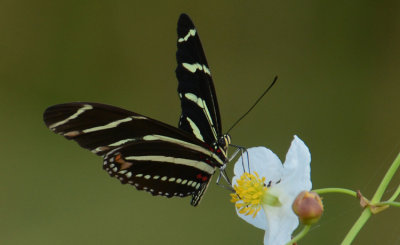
(301, 234)
(336, 190)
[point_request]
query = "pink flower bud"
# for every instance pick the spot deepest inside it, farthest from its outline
(308, 207)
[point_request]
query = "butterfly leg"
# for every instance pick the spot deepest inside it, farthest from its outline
(224, 175)
(242, 151)
(222, 170)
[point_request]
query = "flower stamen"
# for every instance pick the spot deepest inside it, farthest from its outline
(250, 190)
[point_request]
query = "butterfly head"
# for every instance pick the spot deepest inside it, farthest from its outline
(224, 141)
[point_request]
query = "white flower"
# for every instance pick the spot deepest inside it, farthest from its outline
(266, 188)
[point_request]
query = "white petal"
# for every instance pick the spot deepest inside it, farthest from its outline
(281, 222)
(297, 171)
(263, 161)
(259, 221)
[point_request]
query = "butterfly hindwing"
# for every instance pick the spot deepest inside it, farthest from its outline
(200, 113)
(148, 168)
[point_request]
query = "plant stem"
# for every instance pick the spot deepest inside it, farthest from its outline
(365, 215)
(300, 235)
(394, 204)
(395, 194)
(335, 190)
(385, 182)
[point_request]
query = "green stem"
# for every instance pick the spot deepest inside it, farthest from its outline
(365, 215)
(385, 182)
(300, 235)
(395, 194)
(336, 190)
(394, 204)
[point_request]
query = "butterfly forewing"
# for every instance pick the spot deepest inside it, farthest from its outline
(138, 150)
(200, 113)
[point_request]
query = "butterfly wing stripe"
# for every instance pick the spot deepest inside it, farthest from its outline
(191, 33)
(122, 142)
(84, 108)
(202, 104)
(195, 129)
(160, 138)
(113, 145)
(186, 145)
(181, 161)
(196, 66)
(103, 127)
(107, 126)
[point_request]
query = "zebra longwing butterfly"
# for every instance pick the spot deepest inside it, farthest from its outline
(147, 153)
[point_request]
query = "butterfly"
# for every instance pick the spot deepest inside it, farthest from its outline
(146, 153)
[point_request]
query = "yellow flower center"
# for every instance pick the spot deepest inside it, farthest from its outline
(250, 191)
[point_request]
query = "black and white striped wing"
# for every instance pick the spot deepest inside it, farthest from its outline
(138, 150)
(200, 113)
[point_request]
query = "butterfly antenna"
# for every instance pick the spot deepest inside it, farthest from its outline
(258, 100)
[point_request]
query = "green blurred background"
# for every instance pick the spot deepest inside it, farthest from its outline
(338, 66)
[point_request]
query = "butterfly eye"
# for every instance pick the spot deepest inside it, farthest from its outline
(224, 141)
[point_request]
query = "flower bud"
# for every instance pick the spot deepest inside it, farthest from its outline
(308, 207)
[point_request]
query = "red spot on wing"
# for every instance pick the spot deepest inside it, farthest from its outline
(124, 164)
(201, 177)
